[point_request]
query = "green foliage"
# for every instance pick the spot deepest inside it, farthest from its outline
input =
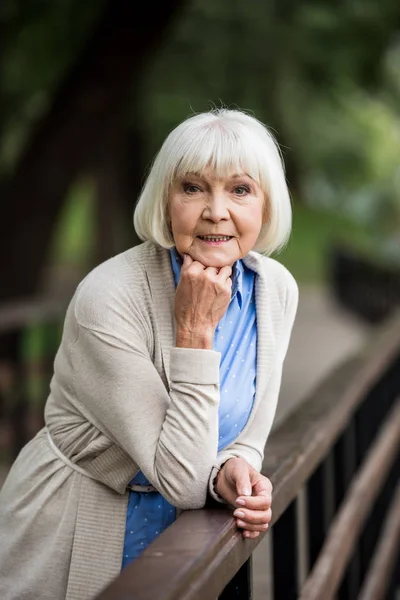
(39, 40)
(322, 75)
(73, 239)
(325, 76)
(314, 232)
(353, 158)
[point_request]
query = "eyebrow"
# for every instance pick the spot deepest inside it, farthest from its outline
(239, 175)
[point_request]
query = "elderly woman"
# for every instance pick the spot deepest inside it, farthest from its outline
(167, 377)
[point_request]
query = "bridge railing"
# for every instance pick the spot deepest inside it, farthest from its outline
(334, 465)
(30, 332)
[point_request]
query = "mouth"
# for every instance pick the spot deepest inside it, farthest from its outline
(214, 239)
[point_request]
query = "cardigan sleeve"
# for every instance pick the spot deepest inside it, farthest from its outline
(250, 445)
(171, 436)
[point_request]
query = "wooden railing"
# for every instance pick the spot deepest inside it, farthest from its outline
(334, 464)
(30, 333)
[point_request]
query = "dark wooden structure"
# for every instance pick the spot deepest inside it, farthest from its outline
(365, 287)
(334, 464)
(340, 449)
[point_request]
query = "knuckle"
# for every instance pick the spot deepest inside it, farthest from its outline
(268, 484)
(210, 276)
(191, 274)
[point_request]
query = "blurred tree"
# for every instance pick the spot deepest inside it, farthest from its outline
(284, 60)
(314, 71)
(83, 132)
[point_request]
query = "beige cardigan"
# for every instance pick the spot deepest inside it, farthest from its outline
(122, 398)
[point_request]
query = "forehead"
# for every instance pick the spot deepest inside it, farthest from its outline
(211, 174)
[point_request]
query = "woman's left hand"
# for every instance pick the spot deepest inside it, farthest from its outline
(243, 487)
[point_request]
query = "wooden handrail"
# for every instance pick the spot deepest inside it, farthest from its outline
(376, 582)
(325, 577)
(199, 554)
(17, 314)
(300, 443)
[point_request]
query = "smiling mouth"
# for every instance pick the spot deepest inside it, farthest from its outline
(215, 238)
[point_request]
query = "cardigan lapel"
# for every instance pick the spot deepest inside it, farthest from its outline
(266, 343)
(162, 287)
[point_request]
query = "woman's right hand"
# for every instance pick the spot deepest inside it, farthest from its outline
(202, 298)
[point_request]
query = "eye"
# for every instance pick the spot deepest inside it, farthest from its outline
(190, 188)
(242, 190)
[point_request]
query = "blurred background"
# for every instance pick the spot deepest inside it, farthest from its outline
(90, 90)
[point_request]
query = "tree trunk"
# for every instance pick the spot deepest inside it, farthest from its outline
(68, 141)
(117, 184)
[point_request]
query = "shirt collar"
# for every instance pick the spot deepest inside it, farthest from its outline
(237, 275)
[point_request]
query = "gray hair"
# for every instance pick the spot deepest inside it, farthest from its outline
(224, 140)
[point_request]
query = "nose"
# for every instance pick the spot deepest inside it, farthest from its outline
(216, 209)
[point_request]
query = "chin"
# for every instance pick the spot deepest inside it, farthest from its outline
(217, 261)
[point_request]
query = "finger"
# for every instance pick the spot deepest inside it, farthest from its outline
(254, 502)
(213, 271)
(250, 527)
(243, 481)
(262, 486)
(227, 495)
(193, 269)
(227, 492)
(225, 272)
(255, 517)
(186, 260)
(251, 535)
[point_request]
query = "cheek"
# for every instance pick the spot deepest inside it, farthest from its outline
(183, 219)
(251, 220)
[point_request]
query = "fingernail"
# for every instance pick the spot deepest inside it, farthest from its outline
(184, 257)
(240, 501)
(241, 524)
(246, 492)
(238, 513)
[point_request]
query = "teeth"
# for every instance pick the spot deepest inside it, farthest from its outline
(215, 238)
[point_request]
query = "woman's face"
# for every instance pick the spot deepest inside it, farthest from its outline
(216, 221)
